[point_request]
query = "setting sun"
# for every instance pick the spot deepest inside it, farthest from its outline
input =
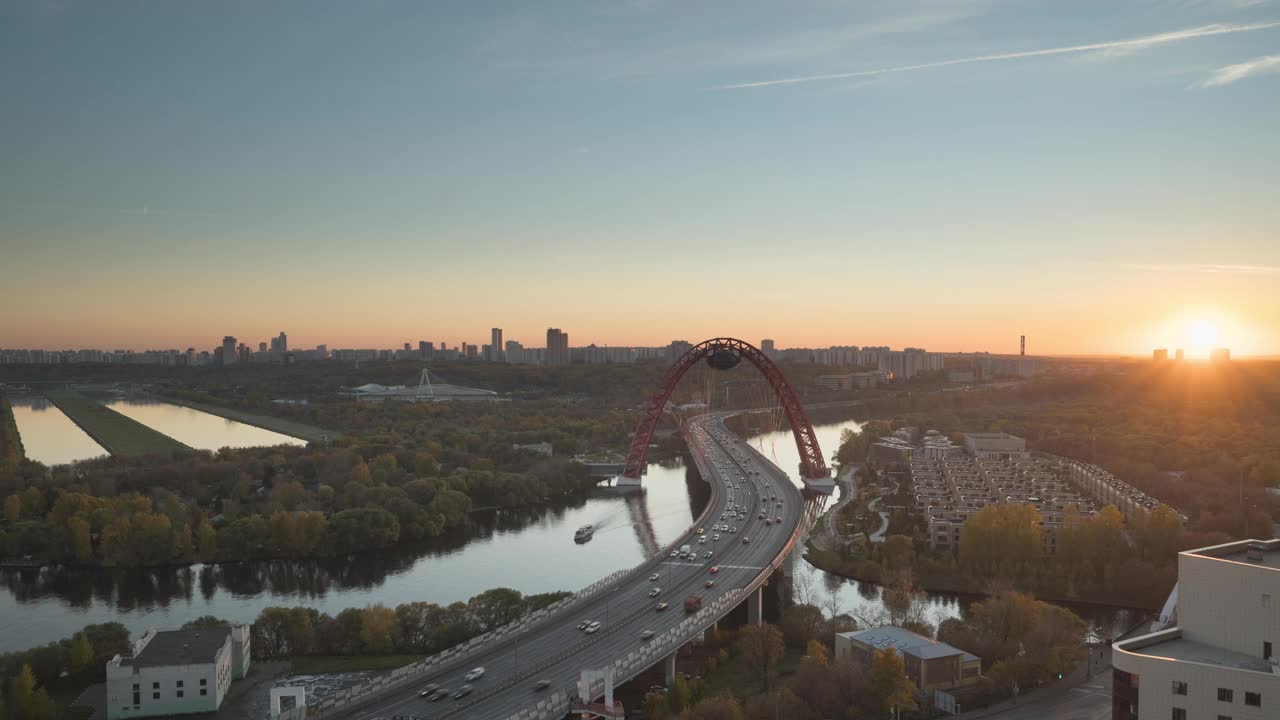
(1202, 335)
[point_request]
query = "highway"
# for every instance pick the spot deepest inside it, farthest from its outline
(555, 650)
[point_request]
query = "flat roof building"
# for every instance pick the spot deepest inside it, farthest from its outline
(177, 672)
(1216, 656)
(930, 664)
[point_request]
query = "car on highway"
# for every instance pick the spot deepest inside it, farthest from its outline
(654, 577)
(647, 635)
(715, 569)
(675, 553)
(767, 521)
(475, 674)
(584, 624)
(592, 628)
(715, 538)
(441, 694)
(709, 583)
(746, 540)
(702, 540)
(707, 555)
(429, 690)
(760, 516)
(778, 519)
(733, 530)
(463, 691)
(655, 592)
(541, 685)
(662, 606)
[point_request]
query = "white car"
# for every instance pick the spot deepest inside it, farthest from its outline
(654, 577)
(715, 538)
(733, 530)
(475, 674)
(592, 628)
(655, 592)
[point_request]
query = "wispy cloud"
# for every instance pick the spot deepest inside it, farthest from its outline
(1231, 73)
(1113, 47)
(1211, 268)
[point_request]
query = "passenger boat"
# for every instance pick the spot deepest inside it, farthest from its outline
(584, 533)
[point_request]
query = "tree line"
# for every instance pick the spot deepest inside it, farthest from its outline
(410, 628)
(261, 503)
(81, 658)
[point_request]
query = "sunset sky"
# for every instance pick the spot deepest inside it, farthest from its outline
(1103, 177)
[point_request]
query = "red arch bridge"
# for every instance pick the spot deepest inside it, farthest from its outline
(724, 353)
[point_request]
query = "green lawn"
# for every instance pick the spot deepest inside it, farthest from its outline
(318, 664)
(119, 434)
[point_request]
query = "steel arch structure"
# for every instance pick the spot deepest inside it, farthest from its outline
(812, 464)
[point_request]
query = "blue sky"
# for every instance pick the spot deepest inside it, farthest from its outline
(861, 172)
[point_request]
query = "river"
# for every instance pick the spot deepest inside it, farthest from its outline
(532, 551)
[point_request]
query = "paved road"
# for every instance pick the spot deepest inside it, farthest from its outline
(557, 651)
(1089, 701)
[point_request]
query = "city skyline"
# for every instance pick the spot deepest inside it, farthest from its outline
(943, 174)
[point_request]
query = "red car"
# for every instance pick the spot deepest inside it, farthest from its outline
(715, 569)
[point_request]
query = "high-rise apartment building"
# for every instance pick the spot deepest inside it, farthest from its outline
(1179, 355)
(495, 343)
(1216, 654)
(282, 343)
(766, 346)
(228, 350)
(557, 347)
(425, 349)
(1219, 355)
(1160, 355)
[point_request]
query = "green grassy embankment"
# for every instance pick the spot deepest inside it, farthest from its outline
(119, 434)
(11, 451)
(319, 664)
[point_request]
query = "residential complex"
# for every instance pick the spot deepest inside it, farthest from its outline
(1217, 658)
(177, 672)
(952, 482)
(930, 664)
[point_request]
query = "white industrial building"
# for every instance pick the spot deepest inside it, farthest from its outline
(1215, 656)
(177, 672)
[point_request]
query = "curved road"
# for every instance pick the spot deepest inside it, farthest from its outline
(556, 651)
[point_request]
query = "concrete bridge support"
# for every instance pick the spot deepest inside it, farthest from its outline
(669, 668)
(755, 606)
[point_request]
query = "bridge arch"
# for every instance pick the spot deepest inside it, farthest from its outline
(812, 464)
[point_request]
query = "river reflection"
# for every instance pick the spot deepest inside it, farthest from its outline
(49, 436)
(529, 550)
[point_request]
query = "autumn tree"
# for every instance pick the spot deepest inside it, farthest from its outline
(81, 653)
(208, 541)
(377, 629)
(762, 648)
(887, 681)
(80, 542)
(717, 708)
(1001, 539)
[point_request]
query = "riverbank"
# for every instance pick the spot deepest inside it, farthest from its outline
(958, 583)
(10, 440)
(302, 431)
(120, 435)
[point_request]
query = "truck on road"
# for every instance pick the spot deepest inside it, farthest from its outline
(693, 603)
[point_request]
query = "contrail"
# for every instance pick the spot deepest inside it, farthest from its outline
(1137, 43)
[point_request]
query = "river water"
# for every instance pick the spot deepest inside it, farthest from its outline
(532, 551)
